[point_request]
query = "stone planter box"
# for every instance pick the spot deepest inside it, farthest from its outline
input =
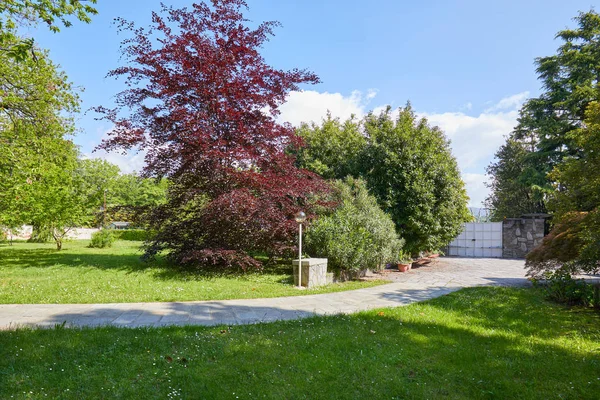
(314, 272)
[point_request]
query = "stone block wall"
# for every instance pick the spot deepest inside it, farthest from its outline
(521, 235)
(314, 272)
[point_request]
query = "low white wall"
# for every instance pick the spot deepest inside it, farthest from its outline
(25, 231)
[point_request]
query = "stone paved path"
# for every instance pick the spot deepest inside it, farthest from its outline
(445, 276)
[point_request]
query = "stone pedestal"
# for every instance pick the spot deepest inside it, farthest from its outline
(314, 272)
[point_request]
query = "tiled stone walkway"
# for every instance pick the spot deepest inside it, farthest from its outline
(447, 275)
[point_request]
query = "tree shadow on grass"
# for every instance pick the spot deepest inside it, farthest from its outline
(45, 257)
(457, 346)
(102, 259)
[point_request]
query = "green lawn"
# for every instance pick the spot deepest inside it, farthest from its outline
(482, 343)
(37, 273)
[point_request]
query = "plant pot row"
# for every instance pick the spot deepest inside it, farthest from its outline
(404, 267)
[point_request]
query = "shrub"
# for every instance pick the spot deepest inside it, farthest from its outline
(103, 238)
(562, 288)
(570, 248)
(407, 165)
(131, 234)
(358, 235)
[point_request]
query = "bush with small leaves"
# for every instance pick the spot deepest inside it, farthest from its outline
(357, 236)
(103, 238)
(562, 288)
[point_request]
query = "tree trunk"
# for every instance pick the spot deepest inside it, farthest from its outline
(57, 238)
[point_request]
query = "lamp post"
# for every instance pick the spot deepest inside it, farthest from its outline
(300, 218)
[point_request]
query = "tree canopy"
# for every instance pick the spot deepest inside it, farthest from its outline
(202, 102)
(570, 80)
(407, 165)
(37, 159)
(574, 243)
(52, 13)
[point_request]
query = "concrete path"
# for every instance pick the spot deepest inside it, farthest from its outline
(445, 276)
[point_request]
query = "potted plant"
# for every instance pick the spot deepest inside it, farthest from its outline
(404, 262)
(433, 254)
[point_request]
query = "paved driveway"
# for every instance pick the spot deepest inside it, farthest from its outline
(445, 276)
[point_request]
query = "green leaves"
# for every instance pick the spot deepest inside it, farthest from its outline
(357, 235)
(406, 164)
(53, 13)
(546, 123)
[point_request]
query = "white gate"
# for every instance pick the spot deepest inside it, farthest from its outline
(478, 239)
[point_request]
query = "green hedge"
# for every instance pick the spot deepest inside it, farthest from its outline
(131, 234)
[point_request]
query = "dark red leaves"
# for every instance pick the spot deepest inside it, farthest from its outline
(202, 103)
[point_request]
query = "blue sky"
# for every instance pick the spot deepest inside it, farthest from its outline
(465, 65)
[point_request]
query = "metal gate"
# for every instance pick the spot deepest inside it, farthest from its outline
(482, 239)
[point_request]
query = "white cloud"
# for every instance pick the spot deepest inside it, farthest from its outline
(132, 161)
(309, 105)
(476, 188)
(474, 139)
(128, 163)
(510, 102)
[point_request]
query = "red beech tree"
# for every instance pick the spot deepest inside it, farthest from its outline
(202, 103)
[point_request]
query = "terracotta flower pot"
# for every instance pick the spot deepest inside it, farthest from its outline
(433, 256)
(403, 267)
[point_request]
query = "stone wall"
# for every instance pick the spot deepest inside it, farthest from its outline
(521, 235)
(314, 272)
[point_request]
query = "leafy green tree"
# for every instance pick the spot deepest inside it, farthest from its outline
(126, 195)
(357, 235)
(333, 148)
(573, 245)
(516, 186)
(577, 177)
(131, 197)
(53, 13)
(56, 199)
(97, 177)
(407, 165)
(570, 79)
(36, 159)
(135, 191)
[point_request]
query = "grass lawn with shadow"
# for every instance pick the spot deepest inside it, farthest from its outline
(478, 343)
(32, 273)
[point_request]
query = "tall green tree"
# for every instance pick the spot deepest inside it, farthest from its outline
(570, 80)
(126, 196)
(52, 13)
(37, 161)
(516, 186)
(407, 165)
(574, 243)
(334, 147)
(56, 199)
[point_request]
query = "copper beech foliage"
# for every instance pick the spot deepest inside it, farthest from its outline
(202, 103)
